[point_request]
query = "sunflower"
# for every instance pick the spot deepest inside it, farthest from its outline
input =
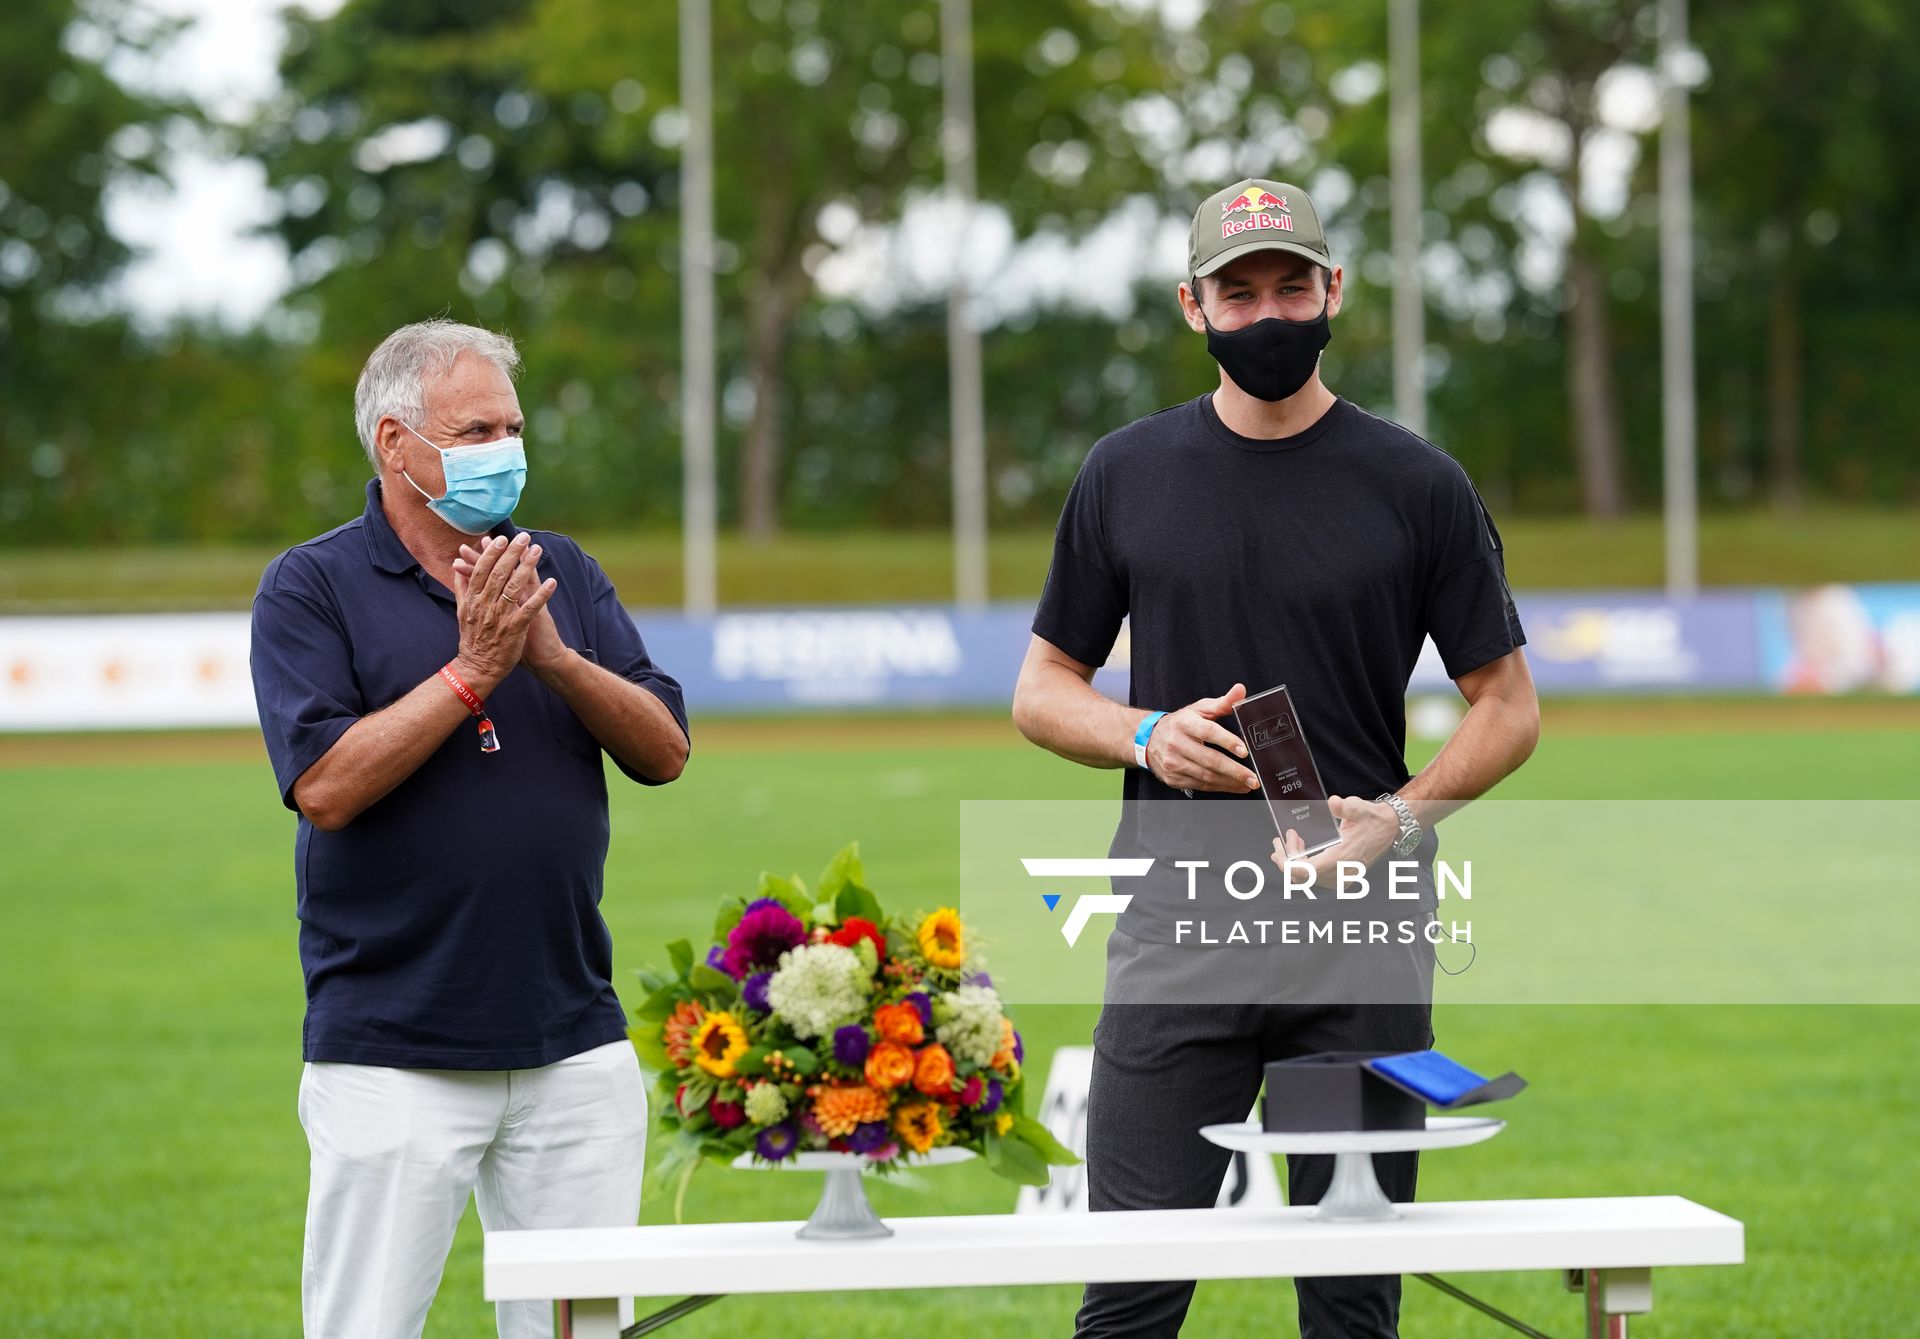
(717, 1043)
(838, 1110)
(942, 939)
(678, 1030)
(918, 1124)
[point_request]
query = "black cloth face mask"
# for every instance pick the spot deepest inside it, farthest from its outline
(1270, 359)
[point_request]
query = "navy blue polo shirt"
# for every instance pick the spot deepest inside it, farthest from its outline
(455, 923)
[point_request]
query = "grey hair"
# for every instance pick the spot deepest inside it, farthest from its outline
(393, 383)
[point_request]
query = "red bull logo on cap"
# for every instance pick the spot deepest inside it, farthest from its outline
(1263, 209)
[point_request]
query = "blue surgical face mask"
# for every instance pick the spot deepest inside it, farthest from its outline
(483, 483)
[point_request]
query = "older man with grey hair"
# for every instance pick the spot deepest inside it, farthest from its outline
(436, 687)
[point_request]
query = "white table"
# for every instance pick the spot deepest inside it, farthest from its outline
(1612, 1244)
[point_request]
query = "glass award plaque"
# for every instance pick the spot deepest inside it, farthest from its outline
(1289, 779)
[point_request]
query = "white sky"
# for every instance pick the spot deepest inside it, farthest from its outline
(200, 260)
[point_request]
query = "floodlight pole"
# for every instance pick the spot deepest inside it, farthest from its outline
(1403, 150)
(698, 504)
(1678, 421)
(965, 395)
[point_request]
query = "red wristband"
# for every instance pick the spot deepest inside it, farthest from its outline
(489, 737)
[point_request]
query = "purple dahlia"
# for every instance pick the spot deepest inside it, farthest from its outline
(765, 932)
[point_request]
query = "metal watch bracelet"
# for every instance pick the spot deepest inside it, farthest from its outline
(1410, 830)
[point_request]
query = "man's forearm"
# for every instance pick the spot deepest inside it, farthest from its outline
(1497, 734)
(1063, 713)
(377, 753)
(631, 723)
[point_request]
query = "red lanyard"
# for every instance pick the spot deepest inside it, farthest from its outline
(489, 737)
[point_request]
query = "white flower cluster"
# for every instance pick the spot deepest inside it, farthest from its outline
(766, 1104)
(969, 1023)
(818, 987)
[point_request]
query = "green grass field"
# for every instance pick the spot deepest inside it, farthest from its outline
(153, 1173)
(1543, 553)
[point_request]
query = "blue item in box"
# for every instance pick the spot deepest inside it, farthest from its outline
(1443, 1082)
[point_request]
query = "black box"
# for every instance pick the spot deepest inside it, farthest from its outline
(1330, 1091)
(1373, 1090)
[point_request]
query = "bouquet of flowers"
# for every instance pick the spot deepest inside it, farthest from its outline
(817, 1021)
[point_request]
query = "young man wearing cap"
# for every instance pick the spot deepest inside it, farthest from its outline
(1266, 532)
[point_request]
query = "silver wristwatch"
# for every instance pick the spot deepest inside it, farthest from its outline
(1410, 831)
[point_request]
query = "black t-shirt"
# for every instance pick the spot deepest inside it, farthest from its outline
(455, 924)
(1321, 561)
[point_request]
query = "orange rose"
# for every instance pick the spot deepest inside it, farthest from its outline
(1004, 1056)
(899, 1022)
(889, 1065)
(933, 1071)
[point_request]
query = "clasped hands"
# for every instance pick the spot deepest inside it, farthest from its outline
(502, 609)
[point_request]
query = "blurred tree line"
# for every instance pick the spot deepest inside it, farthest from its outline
(514, 163)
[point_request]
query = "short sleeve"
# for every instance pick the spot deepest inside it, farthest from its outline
(1468, 607)
(303, 682)
(1085, 598)
(618, 647)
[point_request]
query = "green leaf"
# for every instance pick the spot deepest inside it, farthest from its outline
(652, 979)
(803, 1060)
(781, 886)
(789, 891)
(681, 1152)
(680, 1191)
(1018, 1161)
(753, 1062)
(824, 914)
(682, 954)
(731, 910)
(712, 981)
(660, 1101)
(1032, 1132)
(656, 1007)
(845, 868)
(651, 1048)
(854, 900)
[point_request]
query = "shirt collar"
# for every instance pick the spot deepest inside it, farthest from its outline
(384, 549)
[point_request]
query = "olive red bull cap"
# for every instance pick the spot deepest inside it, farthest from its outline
(1252, 216)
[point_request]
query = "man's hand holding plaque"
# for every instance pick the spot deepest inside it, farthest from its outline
(1186, 747)
(1316, 829)
(1367, 832)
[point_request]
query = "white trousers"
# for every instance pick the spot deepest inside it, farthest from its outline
(396, 1152)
